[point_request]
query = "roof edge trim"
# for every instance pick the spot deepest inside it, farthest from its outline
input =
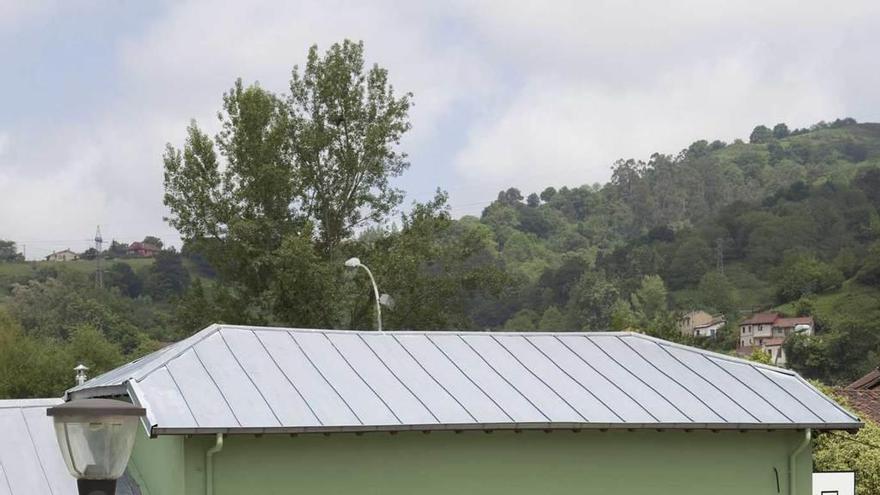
(158, 430)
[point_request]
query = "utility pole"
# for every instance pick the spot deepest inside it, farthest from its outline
(99, 271)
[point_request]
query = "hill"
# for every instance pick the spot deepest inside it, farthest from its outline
(788, 220)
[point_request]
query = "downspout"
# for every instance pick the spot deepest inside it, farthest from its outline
(792, 462)
(209, 464)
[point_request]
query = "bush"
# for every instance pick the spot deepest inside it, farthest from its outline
(804, 275)
(869, 274)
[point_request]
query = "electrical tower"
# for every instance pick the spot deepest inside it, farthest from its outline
(99, 271)
(719, 253)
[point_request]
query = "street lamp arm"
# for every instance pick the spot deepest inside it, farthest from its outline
(376, 294)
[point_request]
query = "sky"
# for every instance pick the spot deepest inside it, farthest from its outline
(508, 93)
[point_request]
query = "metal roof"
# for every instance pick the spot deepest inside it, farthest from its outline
(30, 460)
(240, 379)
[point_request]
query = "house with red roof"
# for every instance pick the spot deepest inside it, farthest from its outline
(769, 331)
(142, 249)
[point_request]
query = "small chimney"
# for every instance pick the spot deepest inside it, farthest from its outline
(81, 373)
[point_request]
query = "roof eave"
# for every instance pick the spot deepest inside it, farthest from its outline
(287, 430)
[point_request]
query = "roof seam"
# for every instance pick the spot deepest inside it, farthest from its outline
(529, 370)
(321, 374)
(750, 389)
(614, 384)
(420, 365)
(511, 385)
(637, 377)
(284, 374)
(182, 395)
(5, 477)
(228, 405)
(709, 382)
(824, 397)
(362, 379)
(468, 378)
(581, 385)
(27, 428)
(245, 372)
(404, 385)
(680, 385)
(820, 418)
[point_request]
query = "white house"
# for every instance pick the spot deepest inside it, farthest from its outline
(701, 324)
(65, 255)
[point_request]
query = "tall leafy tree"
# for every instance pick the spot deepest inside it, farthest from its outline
(290, 175)
(8, 251)
(347, 123)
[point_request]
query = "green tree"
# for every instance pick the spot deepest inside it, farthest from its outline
(8, 252)
(592, 301)
(525, 320)
(89, 347)
(347, 123)
(622, 316)
(760, 134)
(651, 298)
(153, 240)
(166, 277)
(869, 274)
(781, 131)
(553, 320)
(308, 167)
(718, 293)
(859, 452)
(437, 270)
(123, 277)
(759, 355)
(803, 275)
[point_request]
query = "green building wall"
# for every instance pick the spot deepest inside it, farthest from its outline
(532, 462)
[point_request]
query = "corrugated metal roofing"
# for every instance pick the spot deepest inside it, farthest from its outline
(255, 379)
(30, 459)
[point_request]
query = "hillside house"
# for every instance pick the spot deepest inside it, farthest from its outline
(700, 324)
(142, 249)
(769, 331)
(285, 410)
(65, 255)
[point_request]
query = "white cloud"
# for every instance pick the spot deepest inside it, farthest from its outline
(519, 93)
(561, 132)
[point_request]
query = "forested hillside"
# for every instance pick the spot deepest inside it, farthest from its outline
(272, 206)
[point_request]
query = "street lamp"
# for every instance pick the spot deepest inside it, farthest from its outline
(96, 437)
(354, 263)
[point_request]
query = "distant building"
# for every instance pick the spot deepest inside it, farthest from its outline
(769, 331)
(65, 255)
(700, 324)
(142, 249)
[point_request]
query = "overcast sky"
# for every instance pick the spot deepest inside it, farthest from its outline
(525, 94)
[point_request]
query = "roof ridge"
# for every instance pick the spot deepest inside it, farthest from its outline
(191, 341)
(417, 332)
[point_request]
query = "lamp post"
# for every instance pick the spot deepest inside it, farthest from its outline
(354, 263)
(96, 437)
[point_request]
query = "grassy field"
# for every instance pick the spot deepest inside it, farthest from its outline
(853, 300)
(13, 273)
